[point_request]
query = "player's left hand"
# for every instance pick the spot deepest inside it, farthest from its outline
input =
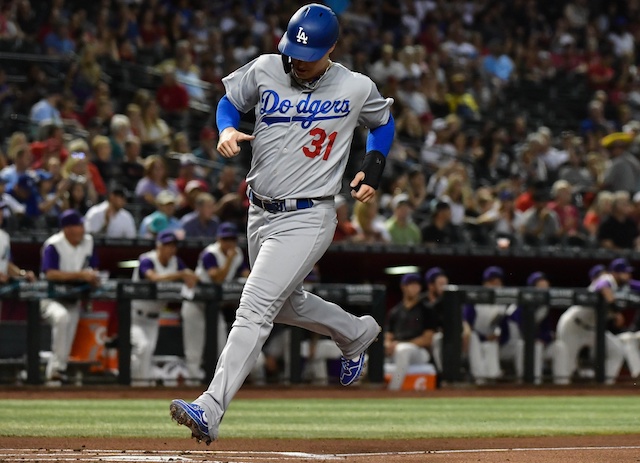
(365, 193)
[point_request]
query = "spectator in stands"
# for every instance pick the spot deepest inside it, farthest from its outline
(345, 231)
(84, 74)
(173, 99)
(504, 219)
(540, 224)
(440, 230)
(90, 109)
(202, 222)
(47, 109)
(497, 65)
(624, 171)
(409, 331)
(485, 321)
(369, 223)
(189, 75)
(619, 231)
(162, 218)
(387, 66)
(454, 194)
(131, 167)
(25, 191)
(52, 196)
(400, 225)
(21, 158)
(222, 261)
(77, 196)
(575, 171)
(188, 198)
(460, 100)
(120, 129)
(14, 208)
(155, 134)
(155, 180)
(110, 218)
(77, 167)
(160, 264)
(598, 211)
(227, 182)
(103, 160)
(437, 152)
(568, 214)
(58, 42)
(67, 257)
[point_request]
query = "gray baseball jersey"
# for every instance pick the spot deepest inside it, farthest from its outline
(303, 136)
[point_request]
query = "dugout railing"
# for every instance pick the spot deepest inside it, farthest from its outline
(355, 298)
(530, 299)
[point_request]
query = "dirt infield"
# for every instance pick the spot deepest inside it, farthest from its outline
(584, 449)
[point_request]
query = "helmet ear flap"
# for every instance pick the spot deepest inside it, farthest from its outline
(286, 63)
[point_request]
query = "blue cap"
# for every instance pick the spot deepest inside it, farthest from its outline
(166, 237)
(227, 230)
(42, 174)
(410, 278)
(69, 218)
(492, 272)
(595, 271)
(26, 181)
(620, 265)
(433, 273)
(535, 277)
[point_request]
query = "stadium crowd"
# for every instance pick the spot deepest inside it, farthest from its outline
(472, 160)
(517, 123)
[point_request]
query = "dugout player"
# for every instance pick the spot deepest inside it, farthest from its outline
(67, 257)
(409, 331)
(576, 328)
(306, 109)
(219, 262)
(160, 264)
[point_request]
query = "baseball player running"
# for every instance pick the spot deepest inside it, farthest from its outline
(306, 109)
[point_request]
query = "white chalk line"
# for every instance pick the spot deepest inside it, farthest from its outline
(183, 455)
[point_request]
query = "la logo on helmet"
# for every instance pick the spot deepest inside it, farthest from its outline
(301, 37)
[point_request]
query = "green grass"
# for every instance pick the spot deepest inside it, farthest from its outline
(330, 418)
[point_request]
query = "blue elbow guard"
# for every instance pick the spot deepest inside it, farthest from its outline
(227, 115)
(381, 138)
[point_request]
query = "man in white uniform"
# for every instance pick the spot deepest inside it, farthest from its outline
(160, 264)
(110, 218)
(67, 257)
(576, 328)
(485, 320)
(219, 262)
(306, 109)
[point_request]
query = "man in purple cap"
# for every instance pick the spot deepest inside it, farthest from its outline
(409, 331)
(67, 256)
(512, 340)
(436, 280)
(596, 271)
(576, 327)
(160, 264)
(220, 262)
(484, 321)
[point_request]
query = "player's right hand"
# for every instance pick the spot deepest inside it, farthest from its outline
(228, 144)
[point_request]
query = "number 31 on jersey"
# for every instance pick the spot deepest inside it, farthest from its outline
(319, 137)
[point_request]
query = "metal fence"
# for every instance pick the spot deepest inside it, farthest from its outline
(362, 298)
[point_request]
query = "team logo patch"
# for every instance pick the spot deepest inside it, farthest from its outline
(302, 37)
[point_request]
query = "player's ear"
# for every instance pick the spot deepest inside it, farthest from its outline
(332, 48)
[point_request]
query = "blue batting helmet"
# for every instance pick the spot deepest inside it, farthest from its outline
(311, 32)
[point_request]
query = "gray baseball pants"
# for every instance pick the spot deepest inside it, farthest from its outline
(283, 248)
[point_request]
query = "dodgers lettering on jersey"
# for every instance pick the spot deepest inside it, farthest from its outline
(302, 136)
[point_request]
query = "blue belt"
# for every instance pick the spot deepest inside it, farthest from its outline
(280, 205)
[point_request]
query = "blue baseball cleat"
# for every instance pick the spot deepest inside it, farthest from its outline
(350, 370)
(193, 417)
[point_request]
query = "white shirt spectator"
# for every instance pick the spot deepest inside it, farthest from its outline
(121, 225)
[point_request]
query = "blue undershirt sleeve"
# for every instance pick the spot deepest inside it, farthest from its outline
(227, 115)
(381, 138)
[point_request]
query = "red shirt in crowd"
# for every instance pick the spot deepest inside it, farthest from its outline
(173, 98)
